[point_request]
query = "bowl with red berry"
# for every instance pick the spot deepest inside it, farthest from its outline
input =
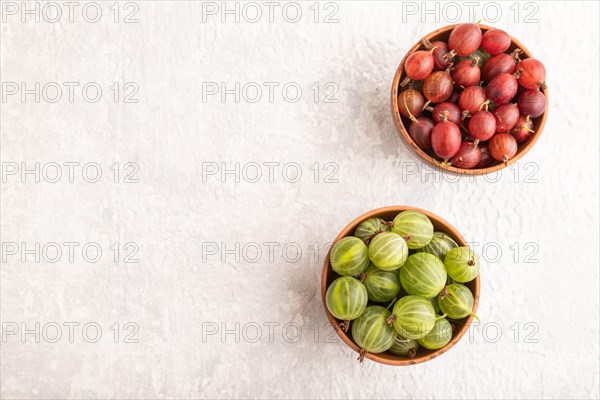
(470, 99)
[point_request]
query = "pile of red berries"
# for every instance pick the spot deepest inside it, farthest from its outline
(471, 84)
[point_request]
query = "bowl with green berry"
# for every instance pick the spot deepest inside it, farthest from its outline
(400, 285)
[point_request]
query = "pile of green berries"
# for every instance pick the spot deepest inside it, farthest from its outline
(402, 264)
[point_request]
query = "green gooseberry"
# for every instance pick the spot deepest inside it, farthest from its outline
(404, 347)
(388, 251)
(349, 256)
(412, 317)
(439, 336)
(456, 301)
(414, 227)
(371, 331)
(462, 264)
(346, 299)
(423, 275)
(381, 285)
(440, 245)
(370, 227)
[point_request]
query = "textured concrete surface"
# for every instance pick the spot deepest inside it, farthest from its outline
(209, 320)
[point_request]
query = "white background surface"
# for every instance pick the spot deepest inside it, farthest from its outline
(547, 204)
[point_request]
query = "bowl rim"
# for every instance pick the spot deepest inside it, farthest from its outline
(429, 159)
(347, 231)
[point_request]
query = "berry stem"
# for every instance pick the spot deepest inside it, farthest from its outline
(391, 303)
(361, 356)
(345, 325)
(426, 43)
(485, 104)
(475, 61)
(444, 293)
(411, 117)
(444, 163)
(405, 81)
(390, 319)
(518, 73)
(444, 115)
(515, 54)
(449, 55)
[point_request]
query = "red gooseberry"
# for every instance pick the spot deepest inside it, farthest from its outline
(532, 74)
(438, 87)
(466, 73)
(445, 139)
(497, 65)
(419, 65)
(523, 130)
(464, 39)
(420, 131)
(468, 156)
(502, 88)
(482, 125)
(410, 103)
(472, 99)
(495, 41)
(449, 110)
(506, 116)
(532, 103)
(502, 147)
(439, 51)
(486, 159)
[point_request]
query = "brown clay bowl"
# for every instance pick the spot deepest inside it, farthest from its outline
(402, 123)
(461, 326)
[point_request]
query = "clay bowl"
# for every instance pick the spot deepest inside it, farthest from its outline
(461, 326)
(402, 123)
